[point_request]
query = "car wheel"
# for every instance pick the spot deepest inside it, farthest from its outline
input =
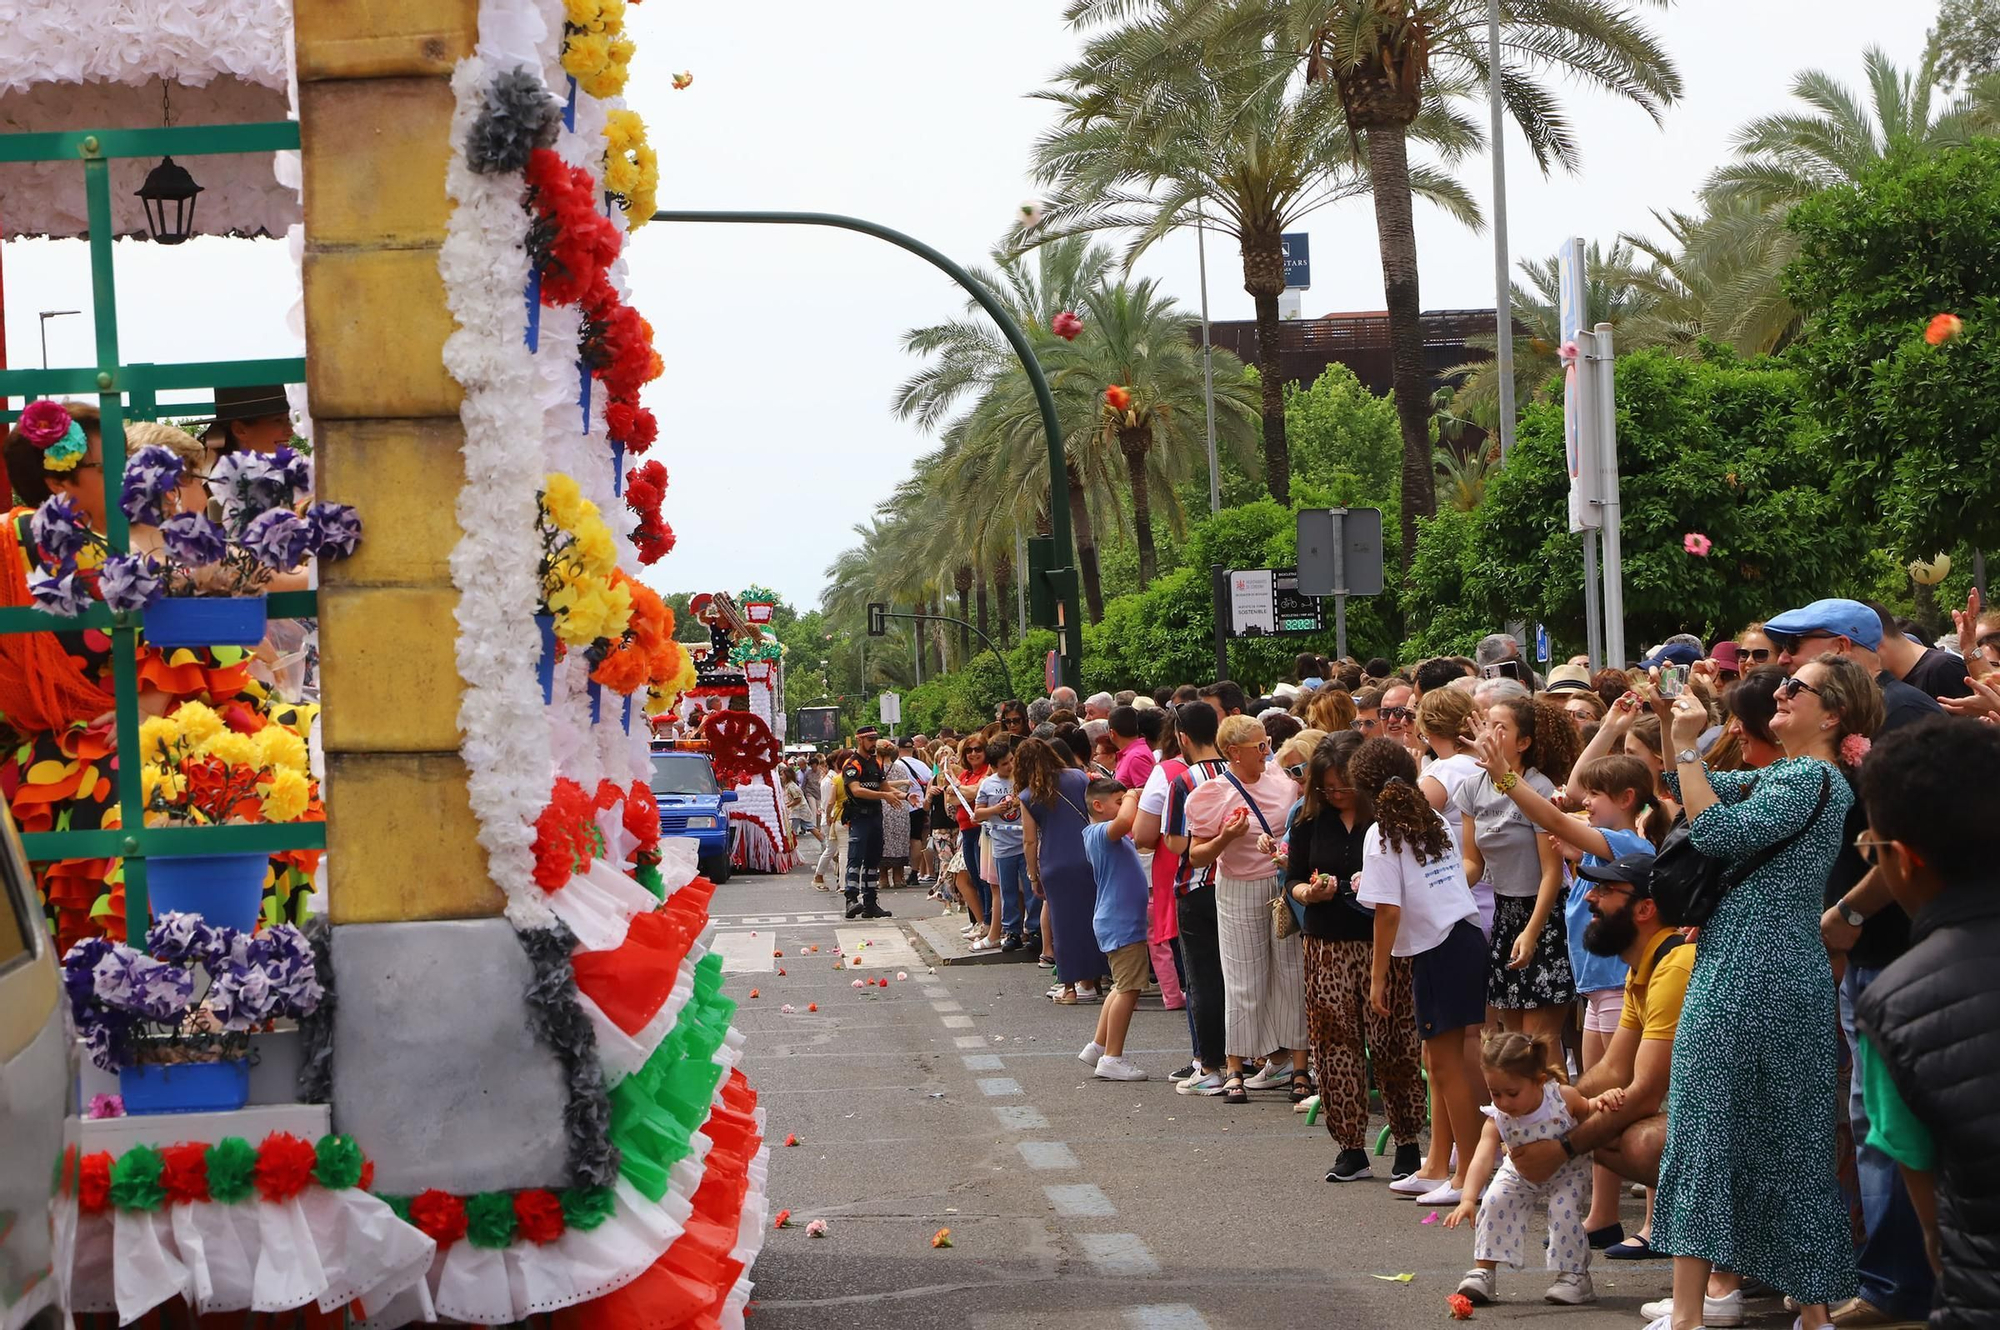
(716, 870)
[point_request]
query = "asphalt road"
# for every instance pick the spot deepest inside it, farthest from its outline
(956, 1100)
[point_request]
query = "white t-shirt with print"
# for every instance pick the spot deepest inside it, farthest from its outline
(1432, 896)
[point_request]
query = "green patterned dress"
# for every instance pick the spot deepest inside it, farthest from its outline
(1747, 1179)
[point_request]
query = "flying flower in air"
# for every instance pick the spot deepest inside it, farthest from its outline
(1943, 327)
(1930, 572)
(1118, 398)
(1697, 544)
(1066, 325)
(682, 80)
(1030, 214)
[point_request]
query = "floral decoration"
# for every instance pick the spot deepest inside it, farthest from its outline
(1697, 544)
(201, 768)
(579, 559)
(1066, 325)
(566, 835)
(646, 653)
(570, 242)
(1942, 328)
(631, 167)
(645, 491)
(596, 51)
(49, 426)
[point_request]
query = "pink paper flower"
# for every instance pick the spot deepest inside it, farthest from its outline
(1853, 748)
(816, 1229)
(1568, 352)
(106, 1106)
(1066, 325)
(43, 423)
(1697, 544)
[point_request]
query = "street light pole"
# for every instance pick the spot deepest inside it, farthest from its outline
(46, 315)
(1207, 364)
(1503, 302)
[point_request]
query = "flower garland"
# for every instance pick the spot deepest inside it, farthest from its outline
(645, 491)
(200, 771)
(495, 1219)
(647, 653)
(631, 167)
(566, 835)
(229, 1172)
(618, 349)
(596, 51)
(571, 242)
(581, 583)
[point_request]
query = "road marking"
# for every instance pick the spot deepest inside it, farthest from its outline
(743, 953)
(994, 1086)
(958, 1022)
(983, 1062)
(946, 1006)
(1080, 1200)
(1118, 1254)
(936, 990)
(1016, 1118)
(1047, 1156)
(887, 947)
(970, 1041)
(1165, 1316)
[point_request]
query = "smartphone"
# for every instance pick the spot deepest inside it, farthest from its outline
(1672, 679)
(1506, 669)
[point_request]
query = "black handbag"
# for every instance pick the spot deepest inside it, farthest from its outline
(1688, 885)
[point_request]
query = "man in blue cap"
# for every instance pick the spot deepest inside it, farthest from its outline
(1865, 926)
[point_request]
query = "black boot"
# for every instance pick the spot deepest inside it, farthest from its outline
(870, 910)
(853, 908)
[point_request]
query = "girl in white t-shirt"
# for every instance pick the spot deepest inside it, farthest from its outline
(1413, 878)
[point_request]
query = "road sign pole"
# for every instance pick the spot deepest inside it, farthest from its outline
(1340, 583)
(1605, 400)
(1219, 582)
(1593, 609)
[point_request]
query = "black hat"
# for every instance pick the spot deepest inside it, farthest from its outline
(1634, 870)
(251, 403)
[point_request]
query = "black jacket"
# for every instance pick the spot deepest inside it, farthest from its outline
(1934, 1017)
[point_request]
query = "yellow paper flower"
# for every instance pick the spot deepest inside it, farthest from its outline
(231, 747)
(279, 747)
(156, 735)
(197, 721)
(285, 796)
(586, 55)
(584, 13)
(91, 556)
(563, 500)
(170, 787)
(595, 549)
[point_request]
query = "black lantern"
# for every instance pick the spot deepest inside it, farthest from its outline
(169, 198)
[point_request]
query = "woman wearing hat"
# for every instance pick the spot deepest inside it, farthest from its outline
(255, 420)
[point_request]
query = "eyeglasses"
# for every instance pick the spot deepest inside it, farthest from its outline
(1869, 847)
(1607, 888)
(1396, 715)
(1262, 745)
(976, 748)
(1362, 725)
(1297, 771)
(1793, 686)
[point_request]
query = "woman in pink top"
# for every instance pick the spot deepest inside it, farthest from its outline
(1237, 822)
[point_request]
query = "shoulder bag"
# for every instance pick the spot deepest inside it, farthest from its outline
(1288, 916)
(1688, 885)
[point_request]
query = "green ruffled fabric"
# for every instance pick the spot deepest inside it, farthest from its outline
(135, 1179)
(656, 1111)
(648, 876)
(584, 1208)
(489, 1219)
(232, 1166)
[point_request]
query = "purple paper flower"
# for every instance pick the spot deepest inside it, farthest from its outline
(160, 991)
(336, 529)
(180, 936)
(67, 595)
(251, 484)
(293, 471)
(150, 476)
(243, 996)
(59, 528)
(78, 965)
(279, 539)
(193, 540)
(129, 581)
(106, 1106)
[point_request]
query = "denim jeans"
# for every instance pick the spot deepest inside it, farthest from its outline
(968, 844)
(1894, 1269)
(1012, 889)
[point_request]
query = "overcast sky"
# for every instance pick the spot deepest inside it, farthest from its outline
(781, 343)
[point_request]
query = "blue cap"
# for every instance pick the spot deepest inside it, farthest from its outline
(1309, 683)
(1843, 618)
(1674, 653)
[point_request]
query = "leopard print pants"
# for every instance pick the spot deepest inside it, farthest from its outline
(1338, 1016)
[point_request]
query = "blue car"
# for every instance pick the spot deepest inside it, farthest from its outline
(691, 804)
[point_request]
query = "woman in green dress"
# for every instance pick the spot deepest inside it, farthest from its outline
(1747, 1179)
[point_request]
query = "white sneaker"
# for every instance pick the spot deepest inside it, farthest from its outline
(1571, 1290)
(1208, 1083)
(1191, 1078)
(1091, 1052)
(1716, 1313)
(1443, 1194)
(1272, 1073)
(1418, 1185)
(1306, 1105)
(1118, 1069)
(1480, 1286)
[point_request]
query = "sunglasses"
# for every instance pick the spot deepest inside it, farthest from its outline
(1793, 686)
(1788, 643)
(1758, 654)
(1297, 771)
(1396, 715)
(976, 748)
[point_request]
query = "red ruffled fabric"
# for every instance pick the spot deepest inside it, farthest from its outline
(631, 983)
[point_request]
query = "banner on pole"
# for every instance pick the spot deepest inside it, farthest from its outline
(1579, 427)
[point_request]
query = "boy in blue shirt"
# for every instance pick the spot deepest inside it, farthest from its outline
(1119, 922)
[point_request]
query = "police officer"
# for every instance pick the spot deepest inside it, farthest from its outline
(862, 776)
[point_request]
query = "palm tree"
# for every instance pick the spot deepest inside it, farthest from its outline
(1159, 132)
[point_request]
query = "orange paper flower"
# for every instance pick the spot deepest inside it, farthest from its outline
(941, 1238)
(1118, 398)
(1461, 1307)
(1943, 327)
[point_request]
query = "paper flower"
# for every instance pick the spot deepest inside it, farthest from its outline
(440, 1215)
(816, 1229)
(683, 80)
(1066, 325)
(193, 540)
(106, 1106)
(1461, 1307)
(1117, 398)
(783, 1219)
(901, 977)
(130, 581)
(1930, 572)
(150, 475)
(812, 1006)
(538, 1216)
(284, 1166)
(44, 422)
(336, 529)
(941, 1238)
(792, 1139)
(59, 528)
(753, 992)
(1568, 352)
(1029, 215)
(1942, 328)
(279, 539)
(1697, 544)
(66, 595)
(858, 983)
(1854, 748)
(788, 1009)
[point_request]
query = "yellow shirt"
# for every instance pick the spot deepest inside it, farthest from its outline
(1654, 990)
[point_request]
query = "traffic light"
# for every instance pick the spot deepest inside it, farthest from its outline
(878, 619)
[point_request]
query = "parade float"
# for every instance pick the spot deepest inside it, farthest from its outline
(736, 710)
(495, 1077)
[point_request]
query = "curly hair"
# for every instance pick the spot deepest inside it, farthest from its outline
(1038, 771)
(1383, 772)
(1332, 710)
(1553, 744)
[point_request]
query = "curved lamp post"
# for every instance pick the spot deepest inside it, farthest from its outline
(1064, 577)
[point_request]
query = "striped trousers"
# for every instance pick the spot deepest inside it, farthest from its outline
(1263, 979)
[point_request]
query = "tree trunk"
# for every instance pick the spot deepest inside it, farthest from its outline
(962, 580)
(1003, 592)
(1086, 544)
(1396, 236)
(1134, 444)
(979, 610)
(937, 633)
(1264, 279)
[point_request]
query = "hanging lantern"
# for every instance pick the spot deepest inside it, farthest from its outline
(169, 198)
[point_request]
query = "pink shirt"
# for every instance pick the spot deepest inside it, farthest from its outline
(1212, 802)
(1135, 763)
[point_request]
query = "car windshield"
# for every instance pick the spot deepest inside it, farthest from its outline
(683, 773)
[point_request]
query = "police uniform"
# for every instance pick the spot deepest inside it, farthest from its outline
(864, 836)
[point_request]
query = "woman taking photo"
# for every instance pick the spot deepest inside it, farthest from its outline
(1323, 871)
(1234, 821)
(1529, 984)
(1747, 1177)
(1054, 811)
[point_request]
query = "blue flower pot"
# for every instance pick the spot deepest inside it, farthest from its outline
(206, 621)
(545, 667)
(227, 890)
(185, 1087)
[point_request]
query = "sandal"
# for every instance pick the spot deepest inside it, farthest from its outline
(1066, 998)
(1302, 1087)
(1233, 1091)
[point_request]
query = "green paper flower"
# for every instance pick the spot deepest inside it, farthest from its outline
(400, 1204)
(232, 1163)
(648, 876)
(489, 1219)
(339, 1161)
(586, 1207)
(135, 1179)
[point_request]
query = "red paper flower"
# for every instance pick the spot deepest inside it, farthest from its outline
(1461, 1307)
(1066, 325)
(1118, 398)
(93, 1192)
(642, 815)
(367, 1179)
(538, 1215)
(440, 1215)
(284, 1166)
(571, 242)
(565, 839)
(184, 1172)
(784, 1217)
(1943, 327)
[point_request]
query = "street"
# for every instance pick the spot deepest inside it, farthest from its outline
(956, 1100)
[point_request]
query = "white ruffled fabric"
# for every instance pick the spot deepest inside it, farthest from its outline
(598, 905)
(138, 41)
(323, 1246)
(680, 862)
(622, 1054)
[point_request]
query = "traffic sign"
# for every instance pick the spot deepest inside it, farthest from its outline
(1340, 550)
(892, 709)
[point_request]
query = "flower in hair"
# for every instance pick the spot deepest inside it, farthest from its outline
(44, 422)
(1853, 748)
